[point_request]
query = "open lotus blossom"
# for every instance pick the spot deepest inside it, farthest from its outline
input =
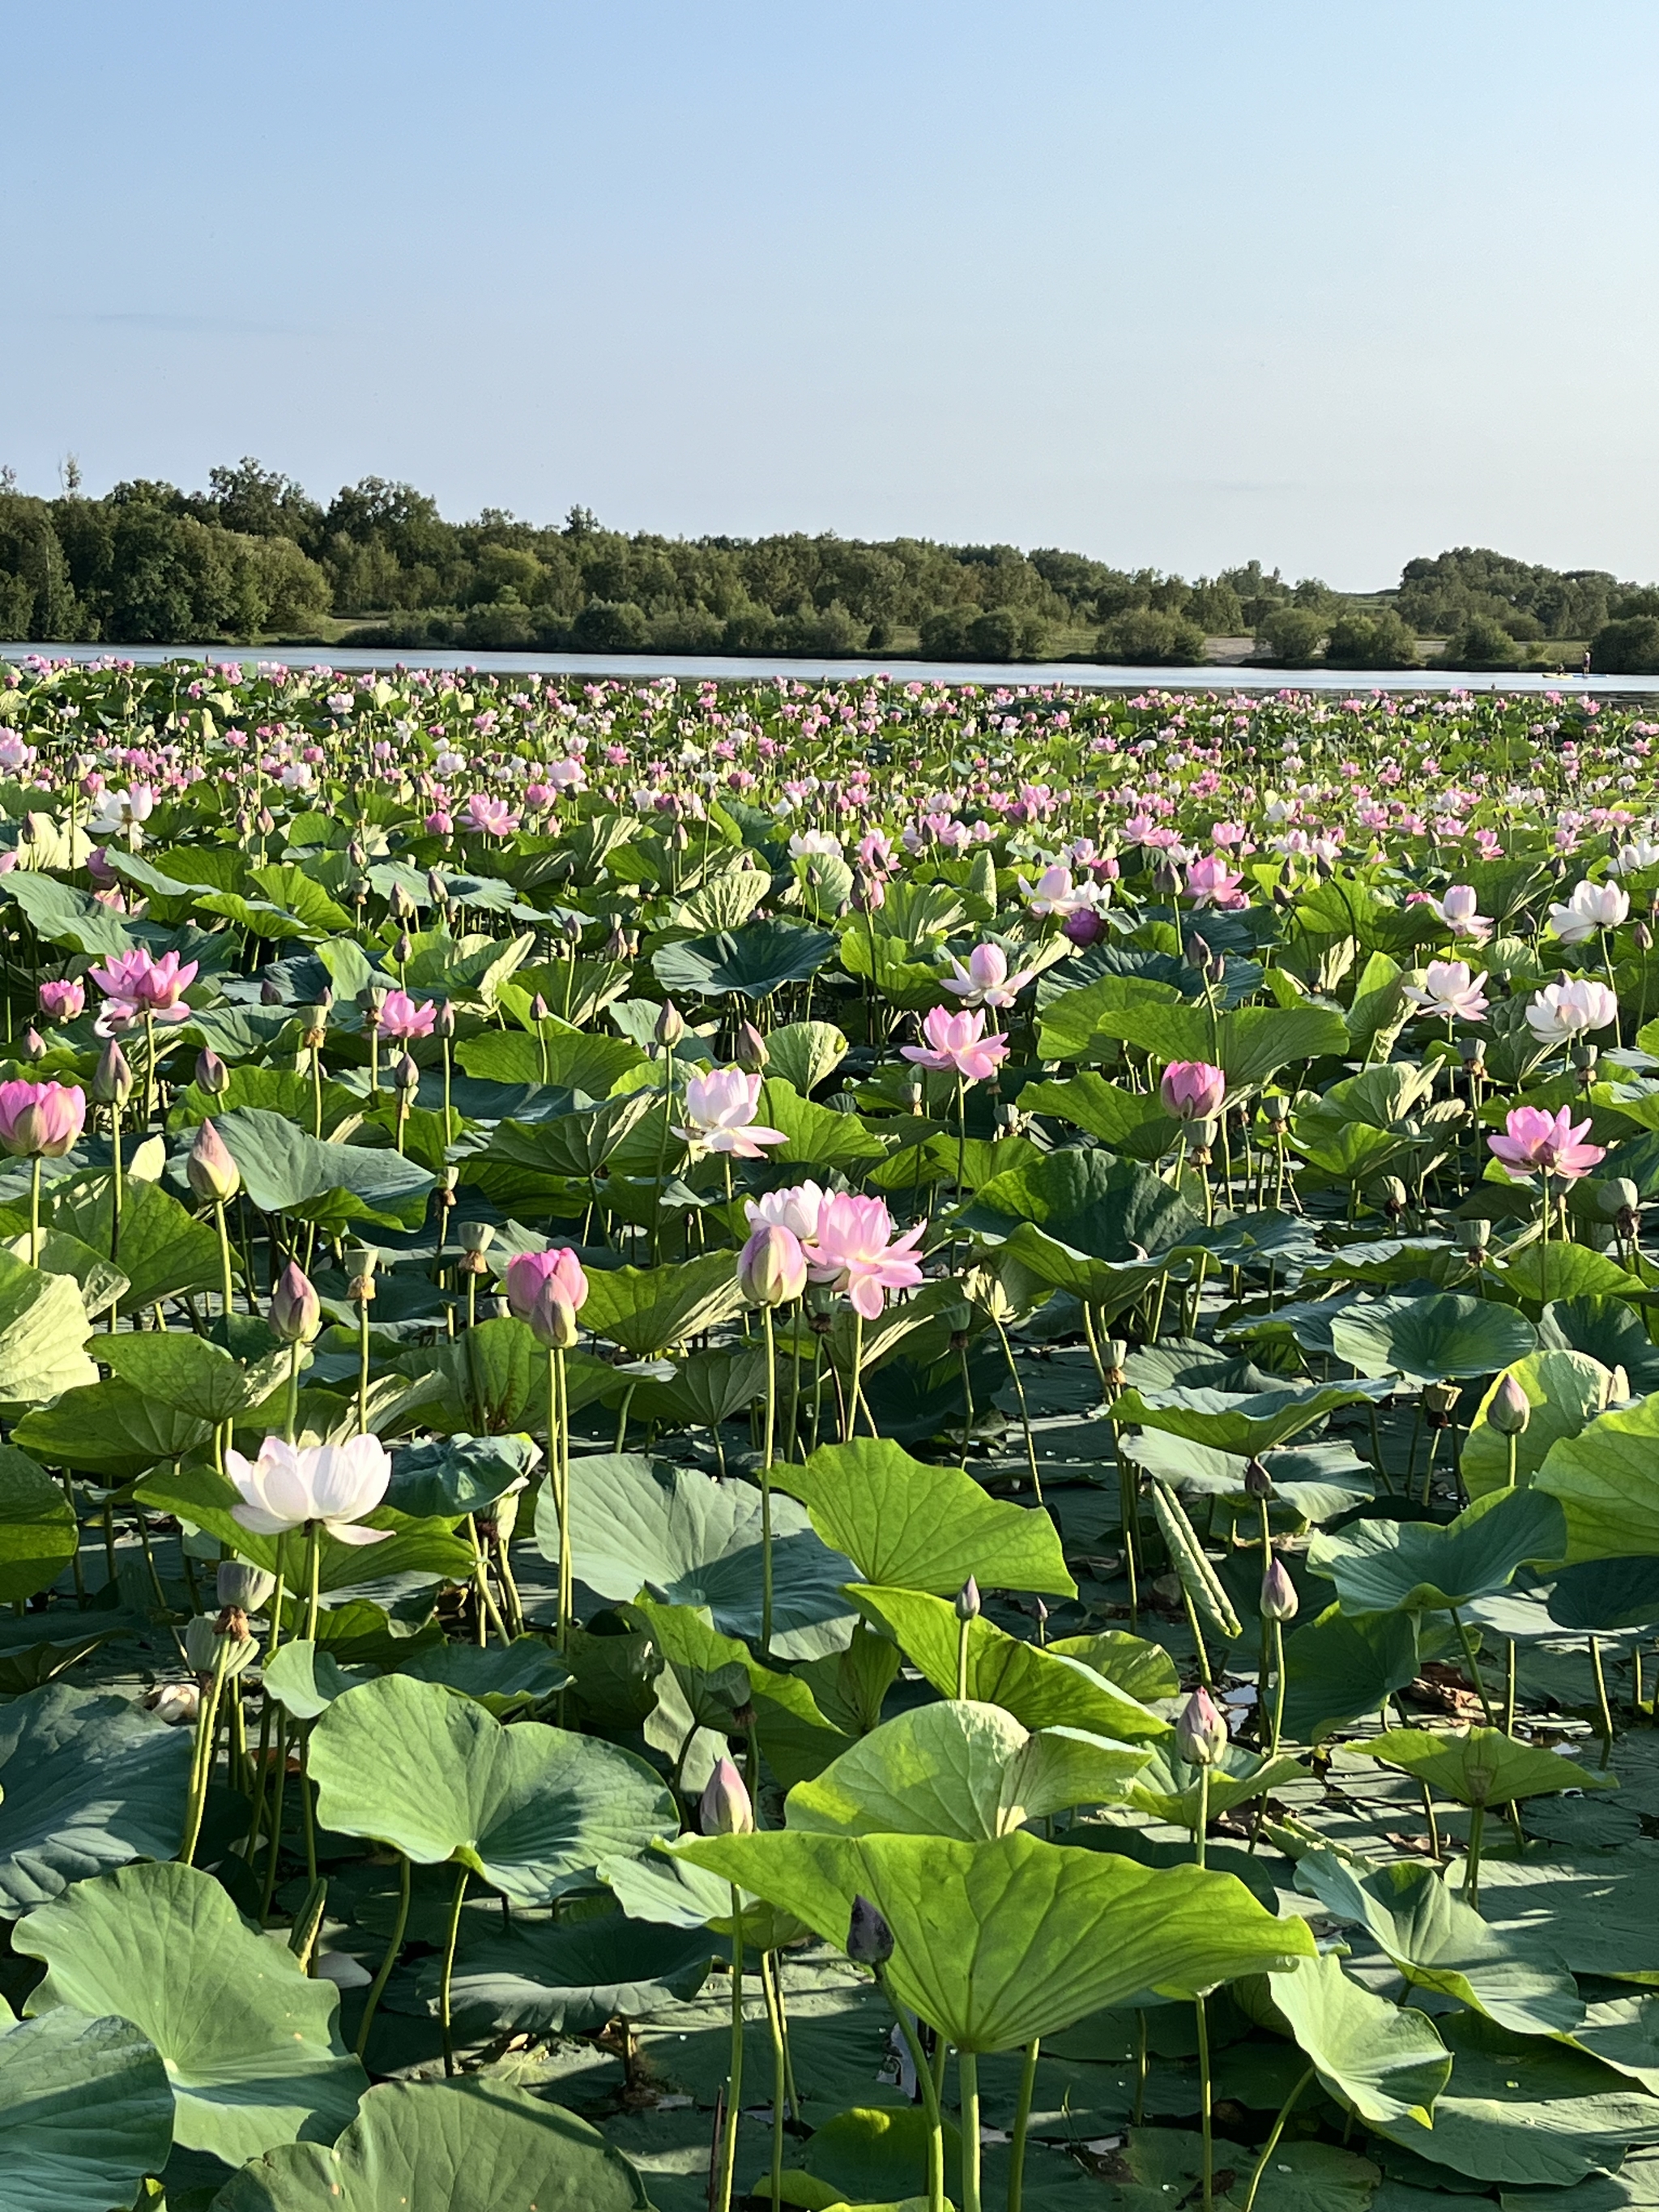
(1192, 1090)
(123, 811)
(528, 1275)
(1211, 882)
(1054, 893)
(1458, 906)
(796, 1210)
(1590, 907)
(290, 1486)
(854, 1250)
(40, 1121)
(1630, 860)
(1562, 1011)
(985, 981)
(1534, 1141)
(956, 1045)
(62, 1001)
(136, 985)
(494, 816)
(719, 1112)
(1448, 988)
(402, 1019)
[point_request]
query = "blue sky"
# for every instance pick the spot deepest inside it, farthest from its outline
(1325, 282)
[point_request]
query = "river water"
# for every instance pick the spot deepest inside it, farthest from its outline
(1085, 676)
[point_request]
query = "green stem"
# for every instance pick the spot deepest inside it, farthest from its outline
(1467, 1643)
(929, 2088)
(1022, 2125)
(393, 1951)
(1024, 1414)
(34, 1211)
(1205, 2118)
(722, 2202)
(226, 1278)
(1201, 1833)
(773, 1987)
(291, 1421)
(313, 1577)
(448, 1975)
(207, 1724)
(962, 1629)
(1604, 1711)
(1272, 2143)
(1278, 1688)
(559, 1387)
(1471, 1891)
(766, 1484)
(968, 2080)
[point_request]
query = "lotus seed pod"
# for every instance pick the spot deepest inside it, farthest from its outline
(477, 1236)
(239, 1584)
(1200, 1730)
(1279, 1598)
(869, 1938)
(1474, 1236)
(724, 1808)
(1510, 1409)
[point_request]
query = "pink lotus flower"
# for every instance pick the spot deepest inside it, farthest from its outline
(529, 1274)
(772, 1265)
(1054, 893)
(720, 1108)
(494, 816)
(1448, 988)
(134, 984)
(290, 1485)
(796, 1210)
(63, 1001)
(1211, 882)
(956, 1045)
(1193, 1090)
(1562, 1011)
(438, 823)
(984, 982)
(854, 1249)
(41, 1120)
(1457, 906)
(1535, 1141)
(401, 1018)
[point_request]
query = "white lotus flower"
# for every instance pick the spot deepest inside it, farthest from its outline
(1591, 907)
(1564, 1010)
(291, 1485)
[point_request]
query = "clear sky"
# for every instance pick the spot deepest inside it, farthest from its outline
(1176, 283)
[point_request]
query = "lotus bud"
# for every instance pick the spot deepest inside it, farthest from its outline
(213, 1175)
(112, 1080)
(1258, 1483)
(400, 905)
(616, 945)
(1474, 1236)
(211, 1074)
(571, 929)
(772, 1267)
(1279, 1598)
(540, 1010)
(869, 1938)
(265, 822)
(1642, 936)
(248, 1587)
(752, 1052)
(406, 1076)
(293, 1312)
(1196, 950)
(403, 950)
(725, 1810)
(269, 995)
(553, 1318)
(34, 1046)
(437, 889)
(1200, 1730)
(968, 1604)
(670, 1026)
(443, 1022)
(1510, 1409)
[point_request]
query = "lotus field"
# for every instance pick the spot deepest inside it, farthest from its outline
(821, 1445)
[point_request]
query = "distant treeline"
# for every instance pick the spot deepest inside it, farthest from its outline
(254, 557)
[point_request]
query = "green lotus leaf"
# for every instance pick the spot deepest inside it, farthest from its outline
(1607, 1595)
(531, 1808)
(1244, 1426)
(504, 1679)
(753, 961)
(1565, 1389)
(999, 1942)
(186, 1373)
(875, 2157)
(250, 2046)
(1104, 1208)
(815, 1136)
(915, 1527)
(1145, 1670)
(1594, 1912)
(1169, 1789)
(306, 1678)
(43, 1327)
(164, 1251)
(430, 2146)
(287, 1171)
(709, 1675)
(1123, 1120)
(1607, 1478)
(1342, 1665)
(1385, 2062)
(1439, 1943)
(111, 1430)
(804, 1054)
(648, 1311)
(90, 1781)
(1525, 2111)
(569, 1978)
(1040, 1688)
(459, 1475)
(1431, 1340)
(100, 1282)
(86, 2112)
(39, 1532)
(1481, 1765)
(1609, 1330)
(1541, 1274)
(1410, 1565)
(639, 1524)
(961, 1770)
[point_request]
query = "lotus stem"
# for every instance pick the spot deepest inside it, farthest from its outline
(1272, 2143)
(201, 1770)
(1473, 1664)
(1022, 2125)
(1205, 2117)
(393, 1951)
(1024, 1415)
(766, 1450)
(928, 2086)
(227, 1279)
(448, 1974)
(968, 2080)
(34, 1212)
(772, 1989)
(1279, 1689)
(1471, 1890)
(728, 2157)
(1603, 1710)
(314, 1577)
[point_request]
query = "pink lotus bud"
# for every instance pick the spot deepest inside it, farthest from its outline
(1200, 1731)
(725, 1809)
(112, 1080)
(1193, 1090)
(869, 1938)
(1510, 1409)
(211, 1074)
(293, 1312)
(528, 1275)
(772, 1267)
(553, 1318)
(213, 1175)
(967, 1602)
(1279, 1598)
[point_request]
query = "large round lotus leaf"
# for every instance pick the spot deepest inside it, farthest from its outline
(85, 2113)
(1482, 1766)
(1523, 2110)
(570, 1976)
(37, 1529)
(1342, 1665)
(90, 1781)
(1606, 1477)
(435, 2146)
(457, 1474)
(753, 961)
(1169, 1789)
(997, 1943)
(1607, 1595)
(1381, 1566)
(1103, 1207)
(1431, 1340)
(1608, 1330)
(1245, 1426)
(504, 1679)
(1564, 1390)
(914, 1526)
(1385, 2061)
(962, 1769)
(251, 2046)
(531, 1808)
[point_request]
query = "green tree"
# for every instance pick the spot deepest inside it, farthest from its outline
(1151, 636)
(1364, 640)
(1292, 632)
(1628, 647)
